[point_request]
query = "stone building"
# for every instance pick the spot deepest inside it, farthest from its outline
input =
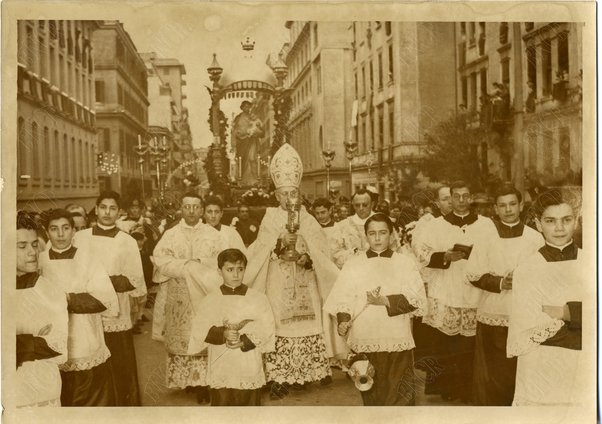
(403, 80)
(121, 108)
(56, 138)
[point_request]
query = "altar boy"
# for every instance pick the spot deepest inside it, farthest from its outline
(545, 322)
(236, 324)
(373, 299)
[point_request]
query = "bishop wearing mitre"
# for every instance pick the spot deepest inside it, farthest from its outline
(305, 336)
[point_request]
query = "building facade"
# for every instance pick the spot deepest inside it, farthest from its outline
(56, 126)
(521, 83)
(403, 80)
(319, 78)
(121, 109)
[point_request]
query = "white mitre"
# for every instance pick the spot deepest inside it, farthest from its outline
(286, 167)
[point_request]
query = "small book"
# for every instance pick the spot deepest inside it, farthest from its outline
(463, 248)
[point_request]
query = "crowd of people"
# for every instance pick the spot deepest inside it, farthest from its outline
(463, 290)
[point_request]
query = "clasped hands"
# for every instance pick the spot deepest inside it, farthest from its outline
(232, 339)
(289, 239)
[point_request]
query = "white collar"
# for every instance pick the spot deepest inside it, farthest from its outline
(61, 250)
(510, 225)
(105, 227)
(461, 216)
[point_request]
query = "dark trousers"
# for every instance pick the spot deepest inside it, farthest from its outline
(235, 397)
(124, 367)
(93, 387)
(394, 381)
(494, 373)
(454, 356)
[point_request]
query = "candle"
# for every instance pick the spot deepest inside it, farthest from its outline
(164, 142)
(269, 160)
(139, 142)
(238, 159)
(258, 166)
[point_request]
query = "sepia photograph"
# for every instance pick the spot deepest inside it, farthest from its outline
(294, 204)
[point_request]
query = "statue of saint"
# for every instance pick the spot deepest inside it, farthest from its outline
(247, 131)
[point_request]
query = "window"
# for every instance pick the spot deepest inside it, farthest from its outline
(73, 160)
(371, 118)
(66, 158)
(364, 134)
(504, 33)
(391, 63)
(465, 91)
(47, 151)
(391, 108)
(56, 157)
(42, 58)
(563, 54)
(481, 38)
(315, 36)
(380, 70)
(463, 29)
(62, 73)
(472, 29)
(363, 81)
(69, 79)
(483, 75)
(371, 77)
(546, 65)
(506, 72)
(381, 126)
(532, 66)
(388, 28)
(22, 148)
(30, 52)
(319, 78)
(81, 159)
(529, 26)
(356, 86)
(35, 148)
(473, 91)
(53, 78)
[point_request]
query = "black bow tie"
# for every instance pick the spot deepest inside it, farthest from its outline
(67, 254)
(27, 281)
(97, 231)
(385, 254)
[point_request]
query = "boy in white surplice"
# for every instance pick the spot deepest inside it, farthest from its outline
(373, 299)
(236, 323)
(545, 323)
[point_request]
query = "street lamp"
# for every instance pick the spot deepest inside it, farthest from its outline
(328, 156)
(215, 73)
(280, 71)
(281, 104)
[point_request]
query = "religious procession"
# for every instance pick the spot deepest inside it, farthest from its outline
(279, 269)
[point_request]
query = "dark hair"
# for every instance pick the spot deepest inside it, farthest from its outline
(193, 194)
(506, 190)
(243, 205)
(456, 185)
(56, 214)
(379, 217)
(26, 222)
(361, 192)
(214, 200)
(322, 202)
(109, 194)
(230, 255)
(135, 199)
(555, 197)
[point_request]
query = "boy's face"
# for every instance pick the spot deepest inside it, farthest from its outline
(233, 273)
(378, 236)
(27, 251)
(107, 212)
(557, 224)
(322, 214)
(60, 233)
(508, 208)
(213, 215)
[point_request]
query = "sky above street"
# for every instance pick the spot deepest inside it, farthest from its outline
(192, 33)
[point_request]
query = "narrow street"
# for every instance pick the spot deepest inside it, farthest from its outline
(151, 376)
